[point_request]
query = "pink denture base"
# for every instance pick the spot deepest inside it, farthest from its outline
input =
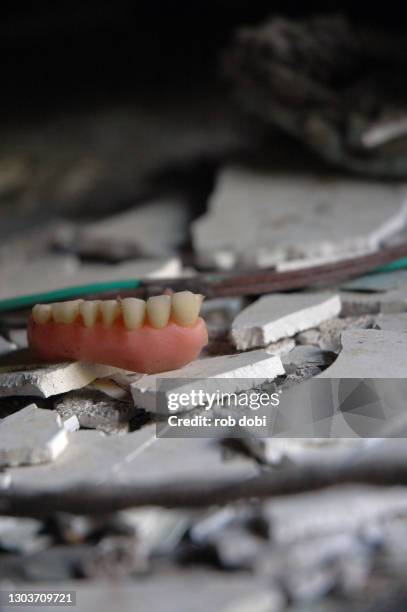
(146, 349)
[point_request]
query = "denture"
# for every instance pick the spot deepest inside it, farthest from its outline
(161, 334)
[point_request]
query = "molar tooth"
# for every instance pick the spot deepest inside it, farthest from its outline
(134, 312)
(158, 310)
(65, 312)
(110, 310)
(41, 313)
(186, 307)
(89, 311)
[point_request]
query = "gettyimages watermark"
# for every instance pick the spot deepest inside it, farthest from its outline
(316, 408)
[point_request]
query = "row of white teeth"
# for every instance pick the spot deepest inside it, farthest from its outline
(182, 308)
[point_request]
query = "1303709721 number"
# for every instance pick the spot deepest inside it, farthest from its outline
(35, 598)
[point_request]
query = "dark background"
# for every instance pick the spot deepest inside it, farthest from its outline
(69, 53)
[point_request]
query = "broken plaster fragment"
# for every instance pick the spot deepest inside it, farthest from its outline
(30, 436)
(226, 374)
(50, 379)
(260, 218)
(279, 315)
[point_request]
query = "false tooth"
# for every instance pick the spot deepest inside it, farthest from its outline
(186, 307)
(42, 313)
(133, 312)
(110, 311)
(65, 312)
(158, 310)
(89, 311)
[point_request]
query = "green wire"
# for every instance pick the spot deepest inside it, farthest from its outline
(63, 294)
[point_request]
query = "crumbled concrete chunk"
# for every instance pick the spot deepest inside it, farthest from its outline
(370, 353)
(261, 218)
(277, 316)
(50, 380)
(228, 373)
(31, 435)
(96, 411)
(328, 336)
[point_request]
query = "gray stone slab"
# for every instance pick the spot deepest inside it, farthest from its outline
(262, 218)
(31, 435)
(50, 380)
(226, 373)
(370, 353)
(277, 316)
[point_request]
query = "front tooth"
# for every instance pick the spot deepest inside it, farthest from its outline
(89, 311)
(186, 307)
(134, 312)
(110, 311)
(158, 310)
(42, 313)
(65, 312)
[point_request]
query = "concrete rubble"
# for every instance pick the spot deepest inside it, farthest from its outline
(261, 218)
(277, 316)
(94, 410)
(31, 435)
(328, 335)
(370, 353)
(48, 380)
(228, 374)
